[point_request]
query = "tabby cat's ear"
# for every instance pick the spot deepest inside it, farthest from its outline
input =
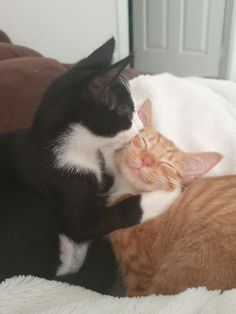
(145, 113)
(195, 165)
(107, 76)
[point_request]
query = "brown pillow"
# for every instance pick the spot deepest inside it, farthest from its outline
(9, 51)
(22, 83)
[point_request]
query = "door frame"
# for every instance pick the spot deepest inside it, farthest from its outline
(123, 48)
(228, 40)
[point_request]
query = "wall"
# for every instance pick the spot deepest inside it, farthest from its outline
(65, 29)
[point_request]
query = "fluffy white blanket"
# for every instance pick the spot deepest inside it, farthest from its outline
(28, 295)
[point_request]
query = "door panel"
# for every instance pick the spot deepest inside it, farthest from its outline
(178, 36)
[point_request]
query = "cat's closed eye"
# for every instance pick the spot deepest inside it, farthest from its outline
(166, 164)
(144, 143)
(140, 142)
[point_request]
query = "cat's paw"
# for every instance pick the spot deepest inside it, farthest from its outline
(156, 202)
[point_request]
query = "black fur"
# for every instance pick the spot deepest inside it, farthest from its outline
(37, 200)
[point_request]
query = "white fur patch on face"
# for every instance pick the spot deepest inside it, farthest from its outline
(72, 255)
(155, 203)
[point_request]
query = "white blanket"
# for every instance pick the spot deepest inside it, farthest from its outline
(29, 295)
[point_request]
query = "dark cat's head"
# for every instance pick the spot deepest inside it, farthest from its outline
(90, 100)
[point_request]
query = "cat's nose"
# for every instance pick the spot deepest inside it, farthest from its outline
(146, 160)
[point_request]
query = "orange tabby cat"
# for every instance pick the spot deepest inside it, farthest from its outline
(191, 243)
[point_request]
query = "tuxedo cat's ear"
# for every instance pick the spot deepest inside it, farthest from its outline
(101, 57)
(145, 113)
(195, 165)
(107, 76)
(114, 71)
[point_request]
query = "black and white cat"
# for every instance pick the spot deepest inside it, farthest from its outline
(52, 175)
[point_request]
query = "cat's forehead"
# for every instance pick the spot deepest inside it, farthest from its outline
(157, 143)
(153, 137)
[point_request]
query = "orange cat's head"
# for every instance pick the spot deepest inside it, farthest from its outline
(150, 161)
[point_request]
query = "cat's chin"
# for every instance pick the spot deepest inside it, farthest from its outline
(136, 179)
(139, 174)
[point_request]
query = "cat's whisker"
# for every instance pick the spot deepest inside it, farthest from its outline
(173, 183)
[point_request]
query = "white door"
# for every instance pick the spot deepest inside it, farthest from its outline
(178, 36)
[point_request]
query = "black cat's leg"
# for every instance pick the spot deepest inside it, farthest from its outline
(99, 272)
(99, 221)
(28, 237)
(86, 221)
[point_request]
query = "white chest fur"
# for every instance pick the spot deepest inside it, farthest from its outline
(77, 150)
(119, 188)
(156, 202)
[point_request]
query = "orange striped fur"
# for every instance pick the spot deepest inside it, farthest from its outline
(191, 244)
